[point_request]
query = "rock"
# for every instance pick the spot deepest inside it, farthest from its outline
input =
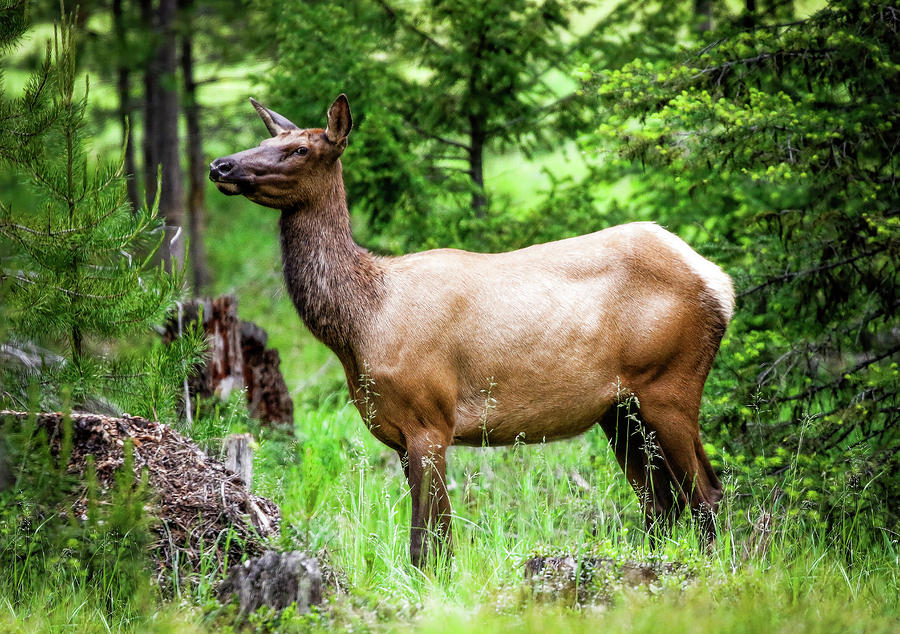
(562, 578)
(579, 581)
(275, 580)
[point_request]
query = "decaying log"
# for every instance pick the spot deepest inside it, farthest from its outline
(204, 511)
(237, 358)
(224, 369)
(267, 393)
(275, 580)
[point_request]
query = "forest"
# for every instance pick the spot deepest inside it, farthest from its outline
(763, 133)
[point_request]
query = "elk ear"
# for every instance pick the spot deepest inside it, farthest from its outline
(339, 121)
(274, 121)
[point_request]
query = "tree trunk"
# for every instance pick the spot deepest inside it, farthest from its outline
(151, 106)
(268, 398)
(123, 88)
(477, 140)
(161, 130)
(236, 358)
(703, 10)
(239, 456)
(171, 198)
(748, 19)
(196, 164)
(276, 580)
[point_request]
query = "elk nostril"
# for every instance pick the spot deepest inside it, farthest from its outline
(221, 167)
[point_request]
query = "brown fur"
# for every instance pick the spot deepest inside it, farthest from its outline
(562, 335)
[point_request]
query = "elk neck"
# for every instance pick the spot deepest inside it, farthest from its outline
(334, 283)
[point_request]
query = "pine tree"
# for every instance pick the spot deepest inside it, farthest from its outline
(77, 275)
(783, 138)
(433, 86)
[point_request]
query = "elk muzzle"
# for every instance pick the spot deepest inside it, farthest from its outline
(228, 175)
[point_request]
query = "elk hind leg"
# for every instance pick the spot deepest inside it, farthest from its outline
(678, 436)
(639, 457)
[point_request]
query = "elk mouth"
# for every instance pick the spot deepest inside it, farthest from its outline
(232, 186)
(227, 188)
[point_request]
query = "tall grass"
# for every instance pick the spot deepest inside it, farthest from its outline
(775, 567)
(344, 496)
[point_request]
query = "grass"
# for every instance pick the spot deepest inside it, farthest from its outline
(512, 503)
(343, 496)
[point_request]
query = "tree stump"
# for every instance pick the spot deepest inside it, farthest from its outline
(237, 358)
(267, 393)
(239, 456)
(276, 580)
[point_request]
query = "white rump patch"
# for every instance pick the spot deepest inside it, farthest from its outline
(717, 281)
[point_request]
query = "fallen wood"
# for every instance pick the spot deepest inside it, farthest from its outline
(204, 512)
(267, 394)
(276, 580)
(239, 456)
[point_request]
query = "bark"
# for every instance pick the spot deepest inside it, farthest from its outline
(236, 358)
(224, 368)
(123, 89)
(171, 198)
(703, 9)
(151, 108)
(477, 131)
(276, 580)
(748, 19)
(267, 394)
(196, 205)
(161, 146)
(477, 139)
(239, 456)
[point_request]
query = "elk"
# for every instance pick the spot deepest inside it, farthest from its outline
(563, 332)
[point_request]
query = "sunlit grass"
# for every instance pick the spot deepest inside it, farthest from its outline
(512, 503)
(344, 498)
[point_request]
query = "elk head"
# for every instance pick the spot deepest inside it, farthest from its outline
(289, 169)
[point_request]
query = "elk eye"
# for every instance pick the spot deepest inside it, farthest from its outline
(301, 151)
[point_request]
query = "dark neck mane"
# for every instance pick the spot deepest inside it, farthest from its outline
(333, 282)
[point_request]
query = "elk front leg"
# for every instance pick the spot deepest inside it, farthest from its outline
(430, 537)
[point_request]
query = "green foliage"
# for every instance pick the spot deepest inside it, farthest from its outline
(385, 180)
(45, 546)
(773, 568)
(433, 87)
(77, 278)
(782, 140)
(767, 161)
(78, 269)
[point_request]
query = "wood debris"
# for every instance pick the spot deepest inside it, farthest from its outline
(204, 512)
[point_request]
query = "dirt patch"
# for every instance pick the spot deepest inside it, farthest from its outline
(203, 510)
